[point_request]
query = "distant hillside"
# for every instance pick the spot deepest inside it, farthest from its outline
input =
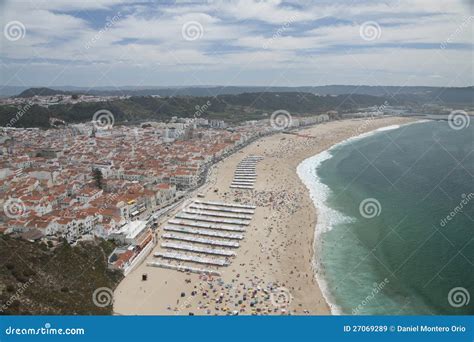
(53, 282)
(421, 94)
(42, 92)
(300, 103)
(231, 108)
(452, 95)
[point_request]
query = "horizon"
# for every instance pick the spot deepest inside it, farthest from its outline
(231, 86)
(240, 43)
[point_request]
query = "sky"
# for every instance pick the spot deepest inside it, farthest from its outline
(243, 42)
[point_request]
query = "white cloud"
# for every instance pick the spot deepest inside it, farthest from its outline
(242, 36)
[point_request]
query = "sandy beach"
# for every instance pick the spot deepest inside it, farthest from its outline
(278, 247)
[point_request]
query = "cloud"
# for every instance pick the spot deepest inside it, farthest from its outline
(241, 40)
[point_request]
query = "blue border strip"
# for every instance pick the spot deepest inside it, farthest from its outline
(237, 328)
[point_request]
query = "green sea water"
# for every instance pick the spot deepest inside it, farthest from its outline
(390, 247)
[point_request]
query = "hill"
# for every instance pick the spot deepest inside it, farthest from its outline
(231, 108)
(35, 279)
(42, 92)
(420, 93)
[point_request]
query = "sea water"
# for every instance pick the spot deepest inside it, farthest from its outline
(395, 231)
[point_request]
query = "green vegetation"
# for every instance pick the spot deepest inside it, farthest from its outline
(42, 92)
(231, 108)
(35, 279)
(439, 95)
(98, 178)
(24, 116)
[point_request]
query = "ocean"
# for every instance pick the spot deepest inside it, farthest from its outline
(395, 231)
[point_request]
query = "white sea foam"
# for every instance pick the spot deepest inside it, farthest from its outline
(387, 128)
(327, 217)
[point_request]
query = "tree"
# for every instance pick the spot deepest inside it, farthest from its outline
(98, 177)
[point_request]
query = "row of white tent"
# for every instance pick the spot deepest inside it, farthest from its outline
(245, 174)
(204, 233)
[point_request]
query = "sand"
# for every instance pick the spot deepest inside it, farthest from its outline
(272, 272)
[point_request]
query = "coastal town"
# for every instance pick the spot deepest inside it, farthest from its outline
(51, 100)
(98, 180)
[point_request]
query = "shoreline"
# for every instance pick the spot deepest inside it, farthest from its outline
(307, 171)
(279, 245)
